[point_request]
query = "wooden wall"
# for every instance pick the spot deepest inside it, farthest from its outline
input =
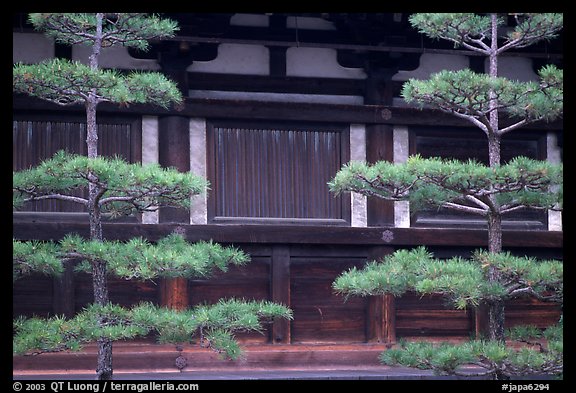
(300, 276)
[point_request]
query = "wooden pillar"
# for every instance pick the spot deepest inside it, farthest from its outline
(174, 151)
(280, 290)
(381, 312)
(481, 325)
(382, 319)
(174, 293)
(63, 292)
(379, 137)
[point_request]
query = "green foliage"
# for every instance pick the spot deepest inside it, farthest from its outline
(126, 187)
(464, 282)
(490, 358)
(474, 96)
(437, 182)
(34, 257)
(395, 274)
(456, 27)
(474, 30)
(465, 92)
(382, 179)
(215, 324)
(132, 30)
(137, 258)
(66, 82)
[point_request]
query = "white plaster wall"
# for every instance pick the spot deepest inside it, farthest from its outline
(30, 48)
(515, 68)
(249, 20)
(309, 23)
(430, 63)
(277, 97)
(318, 62)
(149, 155)
(198, 203)
(114, 57)
(236, 59)
(553, 155)
(401, 150)
(358, 153)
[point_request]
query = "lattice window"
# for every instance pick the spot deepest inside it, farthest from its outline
(276, 173)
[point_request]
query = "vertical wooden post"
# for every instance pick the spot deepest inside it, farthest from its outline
(381, 322)
(379, 142)
(174, 151)
(63, 292)
(280, 289)
(481, 325)
(381, 312)
(174, 293)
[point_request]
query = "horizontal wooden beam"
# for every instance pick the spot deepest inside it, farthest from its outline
(288, 111)
(293, 234)
(355, 47)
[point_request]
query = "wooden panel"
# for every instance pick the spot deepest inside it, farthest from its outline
(320, 316)
(430, 316)
(250, 282)
(529, 311)
(126, 293)
(259, 171)
(32, 295)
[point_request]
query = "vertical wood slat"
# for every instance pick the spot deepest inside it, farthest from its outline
(276, 172)
(280, 291)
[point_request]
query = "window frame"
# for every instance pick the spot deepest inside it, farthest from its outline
(214, 192)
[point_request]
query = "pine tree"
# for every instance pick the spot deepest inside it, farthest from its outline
(489, 191)
(119, 188)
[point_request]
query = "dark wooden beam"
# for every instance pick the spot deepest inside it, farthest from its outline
(356, 47)
(294, 234)
(290, 111)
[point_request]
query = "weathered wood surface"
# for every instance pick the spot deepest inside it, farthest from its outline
(293, 234)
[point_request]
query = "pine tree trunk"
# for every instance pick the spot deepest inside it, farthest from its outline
(495, 307)
(99, 275)
(99, 279)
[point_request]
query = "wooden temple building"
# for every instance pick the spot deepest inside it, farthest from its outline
(274, 105)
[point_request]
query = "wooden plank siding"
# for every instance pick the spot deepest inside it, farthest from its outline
(301, 277)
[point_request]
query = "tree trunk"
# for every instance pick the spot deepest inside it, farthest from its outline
(495, 307)
(99, 274)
